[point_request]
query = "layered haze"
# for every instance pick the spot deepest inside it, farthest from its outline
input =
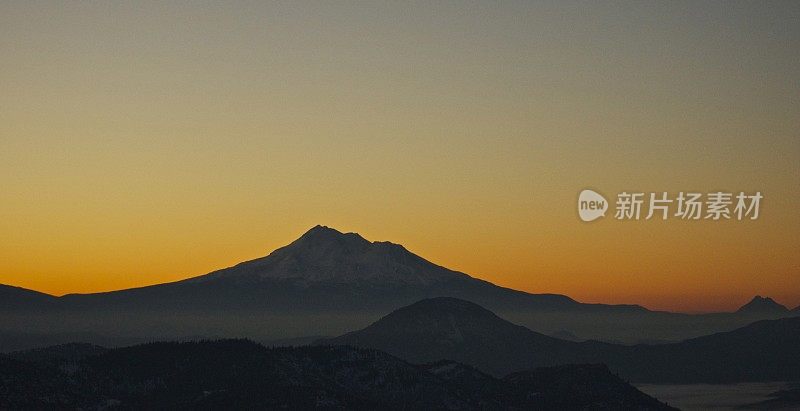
(149, 143)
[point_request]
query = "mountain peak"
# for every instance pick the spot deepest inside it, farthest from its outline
(443, 320)
(761, 304)
(327, 255)
(321, 229)
(445, 306)
(454, 329)
(321, 233)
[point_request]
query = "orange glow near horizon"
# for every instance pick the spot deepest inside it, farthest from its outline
(142, 144)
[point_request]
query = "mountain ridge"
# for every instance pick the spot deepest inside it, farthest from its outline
(326, 283)
(457, 330)
(11, 297)
(320, 238)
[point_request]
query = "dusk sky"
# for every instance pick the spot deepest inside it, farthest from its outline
(146, 142)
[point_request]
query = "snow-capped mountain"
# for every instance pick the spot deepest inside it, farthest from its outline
(325, 255)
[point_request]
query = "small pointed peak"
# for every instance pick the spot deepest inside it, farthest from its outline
(762, 304)
(319, 228)
(321, 231)
(762, 300)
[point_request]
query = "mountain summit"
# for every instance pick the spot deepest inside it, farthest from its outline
(321, 235)
(455, 329)
(762, 305)
(324, 255)
(443, 320)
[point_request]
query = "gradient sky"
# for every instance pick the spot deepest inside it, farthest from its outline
(145, 142)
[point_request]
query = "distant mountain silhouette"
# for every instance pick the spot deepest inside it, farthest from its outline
(459, 330)
(448, 328)
(240, 374)
(324, 283)
(761, 304)
(16, 298)
(763, 351)
(788, 399)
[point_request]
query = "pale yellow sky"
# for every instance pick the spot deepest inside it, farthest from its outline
(144, 143)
